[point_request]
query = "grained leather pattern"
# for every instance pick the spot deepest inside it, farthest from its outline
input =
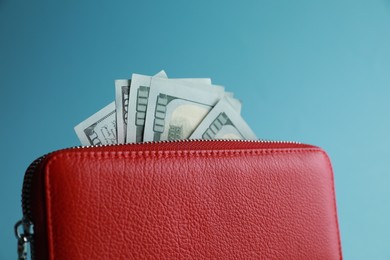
(161, 203)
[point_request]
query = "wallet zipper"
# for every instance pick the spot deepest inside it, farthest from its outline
(24, 228)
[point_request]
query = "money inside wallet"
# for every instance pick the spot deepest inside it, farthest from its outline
(156, 108)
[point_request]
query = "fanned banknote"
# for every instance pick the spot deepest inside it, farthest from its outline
(122, 87)
(122, 92)
(138, 100)
(176, 109)
(100, 128)
(139, 96)
(236, 104)
(223, 122)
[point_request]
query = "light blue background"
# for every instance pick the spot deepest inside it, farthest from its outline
(311, 71)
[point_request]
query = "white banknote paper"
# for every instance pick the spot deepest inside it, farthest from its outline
(122, 88)
(138, 101)
(100, 128)
(139, 98)
(155, 108)
(176, 109)
(223, 122)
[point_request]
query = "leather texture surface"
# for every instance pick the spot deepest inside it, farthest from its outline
(174, 201)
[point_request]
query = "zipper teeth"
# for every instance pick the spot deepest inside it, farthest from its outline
(190, 140)
(27, 182)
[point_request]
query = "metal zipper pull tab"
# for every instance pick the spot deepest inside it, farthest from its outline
(24, 235)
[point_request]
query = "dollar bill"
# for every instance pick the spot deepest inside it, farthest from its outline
(139, 96)
(122, 92)
(122, 88)
(223, 122)
(100, 128)
(237, 104)
(175, 109)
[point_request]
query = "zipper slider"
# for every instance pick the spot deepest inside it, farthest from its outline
(24, 234)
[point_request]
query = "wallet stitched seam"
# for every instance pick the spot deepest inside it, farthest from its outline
(180, 153)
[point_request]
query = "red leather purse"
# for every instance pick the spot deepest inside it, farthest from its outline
(182, 200)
